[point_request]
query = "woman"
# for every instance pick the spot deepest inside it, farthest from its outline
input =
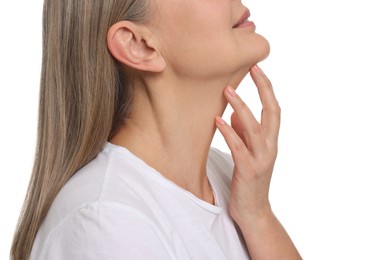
(131, 94)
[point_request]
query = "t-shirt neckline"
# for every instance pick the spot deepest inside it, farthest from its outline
(215, 209)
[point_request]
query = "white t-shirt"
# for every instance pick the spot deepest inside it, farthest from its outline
(118, 207)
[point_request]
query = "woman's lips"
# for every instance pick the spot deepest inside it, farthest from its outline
(244, 22)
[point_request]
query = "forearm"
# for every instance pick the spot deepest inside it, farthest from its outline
(267, 239)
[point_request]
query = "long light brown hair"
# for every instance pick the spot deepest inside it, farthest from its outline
(83, 100)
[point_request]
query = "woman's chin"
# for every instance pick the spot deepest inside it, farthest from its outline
(256, 55)
(261, 49)
(258, 50)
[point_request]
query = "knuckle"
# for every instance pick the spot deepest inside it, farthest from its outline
(238, 146)
(256, 129)
(268, 80)
(277, 107)
(241, 105)
(274, 109)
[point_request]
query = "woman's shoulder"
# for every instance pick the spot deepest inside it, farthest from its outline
(111, 179)
(108, 194)
(102, 230)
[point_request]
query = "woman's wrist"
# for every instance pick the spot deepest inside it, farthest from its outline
(255, 221)
(266, 238)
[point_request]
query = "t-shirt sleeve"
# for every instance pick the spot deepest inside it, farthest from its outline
(102, 231)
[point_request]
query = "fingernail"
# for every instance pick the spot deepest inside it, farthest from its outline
(257, 69)
(231, 91)
(220, 121)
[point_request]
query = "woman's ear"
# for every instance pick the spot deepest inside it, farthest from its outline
(130, 44)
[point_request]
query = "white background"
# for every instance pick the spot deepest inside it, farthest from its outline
(330, 67)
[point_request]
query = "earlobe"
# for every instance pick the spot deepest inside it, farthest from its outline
(129, 43)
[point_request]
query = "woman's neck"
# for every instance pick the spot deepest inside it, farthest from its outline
(171, 127)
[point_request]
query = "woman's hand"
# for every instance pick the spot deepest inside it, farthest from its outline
(254, 148)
